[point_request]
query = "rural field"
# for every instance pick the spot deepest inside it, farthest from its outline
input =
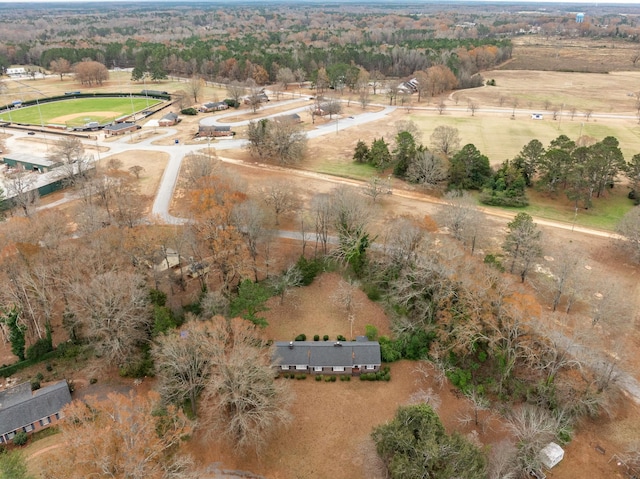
(330, 432)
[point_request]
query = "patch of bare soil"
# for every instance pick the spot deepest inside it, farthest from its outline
(101, 114)
(539, 52)
(153, 162)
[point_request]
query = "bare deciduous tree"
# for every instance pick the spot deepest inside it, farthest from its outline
(22, 191)
(128, 434)
(70, 152)
(345, 297)
(242, 401)
(113, 312)
(445, 140)
(250, 219)
(183, 361)
(321, 213)
(461, 217)
(197, 166)
(375, 188)
(136, 170)
(426, 169)
(195, 86)
(279, 196)
(533, 428)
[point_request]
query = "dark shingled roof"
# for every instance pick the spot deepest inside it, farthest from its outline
(327, 354)
(119, 126)
(20, 407)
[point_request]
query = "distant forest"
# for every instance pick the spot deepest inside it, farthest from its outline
(226, 43)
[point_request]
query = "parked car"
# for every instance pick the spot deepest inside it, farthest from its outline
(31, 133)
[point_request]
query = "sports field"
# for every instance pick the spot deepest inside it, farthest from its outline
(78, 111)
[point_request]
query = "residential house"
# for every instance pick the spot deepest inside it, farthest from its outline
(120, 128)
(409, 87)
(169, 119)
(214, 131)
(325, 357)
(213, 106)
(24, 410)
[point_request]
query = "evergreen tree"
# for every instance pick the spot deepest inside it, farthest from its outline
(469, 169)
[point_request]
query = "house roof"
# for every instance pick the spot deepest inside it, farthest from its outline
(325, 353)
(170, 116)
(214, 104)
(19, 406)
(119, 126)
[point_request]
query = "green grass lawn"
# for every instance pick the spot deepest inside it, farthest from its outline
(102, 110)
(605, 213)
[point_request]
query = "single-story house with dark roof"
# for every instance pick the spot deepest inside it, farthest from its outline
(120, 128)
(24, 410)
(326, 357)
(214, 130)
(213, 106)
(169, 119)
(291, 118)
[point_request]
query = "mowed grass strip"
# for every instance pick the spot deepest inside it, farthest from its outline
(102, 110)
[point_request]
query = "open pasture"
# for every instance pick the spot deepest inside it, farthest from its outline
(79, 111)
(501, 138)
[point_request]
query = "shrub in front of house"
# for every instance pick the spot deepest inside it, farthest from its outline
(301, 337)
(20, 439)
(35, 384)
(341, 337)
(325, 337)
(301, 376)
(316, 337)
(319, 377)
(189, 111)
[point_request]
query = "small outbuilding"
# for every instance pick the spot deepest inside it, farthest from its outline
(551, 454)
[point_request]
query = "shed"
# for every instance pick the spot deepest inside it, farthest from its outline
(551, 454)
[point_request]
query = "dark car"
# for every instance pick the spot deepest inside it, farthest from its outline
(31, 133)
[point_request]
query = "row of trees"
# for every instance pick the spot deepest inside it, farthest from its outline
(584, 170)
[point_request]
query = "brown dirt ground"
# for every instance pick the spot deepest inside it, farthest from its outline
(539, 52)
(332, 422)
(65, 118)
